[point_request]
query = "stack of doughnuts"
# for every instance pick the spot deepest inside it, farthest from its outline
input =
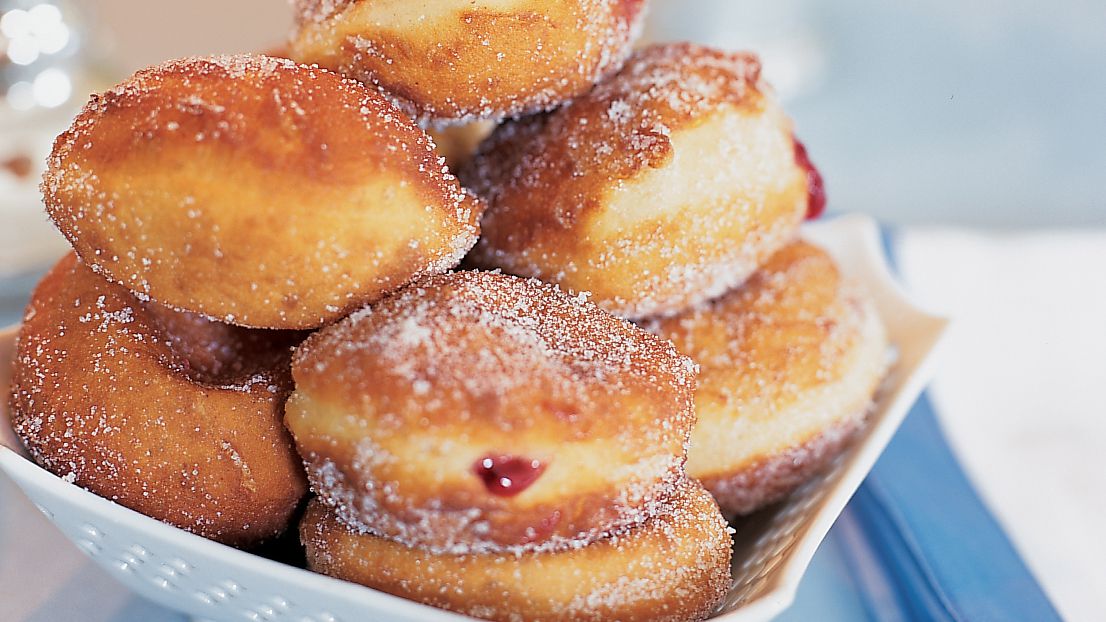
(264, 300)
(217, 208)
(491, 445)
(673, 192)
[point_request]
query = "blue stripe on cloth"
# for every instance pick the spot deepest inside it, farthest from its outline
(942, 554)
(920, 543)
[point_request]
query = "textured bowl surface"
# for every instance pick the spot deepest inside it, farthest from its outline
(772, 548)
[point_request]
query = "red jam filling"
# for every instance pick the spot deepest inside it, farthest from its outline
(815, 187)
(507, 476)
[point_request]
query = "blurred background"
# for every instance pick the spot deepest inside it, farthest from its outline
(975, 130)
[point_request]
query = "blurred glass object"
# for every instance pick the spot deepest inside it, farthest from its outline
(780, 31)
(44, 69)
(40, 41)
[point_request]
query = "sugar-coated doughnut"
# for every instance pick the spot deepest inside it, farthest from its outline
(167, 413)
(789, 363)
(478, 411)
(674, 567)
(453, 60)
(256, 191)
(666, 185)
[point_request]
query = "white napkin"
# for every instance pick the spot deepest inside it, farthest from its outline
(1020, 389)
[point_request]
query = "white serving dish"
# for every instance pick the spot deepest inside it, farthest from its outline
(211, 581)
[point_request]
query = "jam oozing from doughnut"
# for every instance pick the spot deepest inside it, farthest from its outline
(816, 188)
(506, 476)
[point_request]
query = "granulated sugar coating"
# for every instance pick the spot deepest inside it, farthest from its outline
(171, 415)
(789, 362)
(673, 567)
(500, 441)
(449, 61)
(256, 191)
(666, 185)
(398, 407)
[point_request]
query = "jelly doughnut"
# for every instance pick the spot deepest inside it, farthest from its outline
(675, 566)
(167, 413)
(789, 363)
(665, 186)
(256, 191)
(455, 60)
(478, 411)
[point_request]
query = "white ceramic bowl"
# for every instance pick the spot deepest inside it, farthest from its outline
(212, 581)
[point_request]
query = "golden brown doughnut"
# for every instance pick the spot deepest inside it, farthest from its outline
(167, 413)
(478, 411)
(675, 566)
(788, 365)
(459, 60)
(666, 185)
(255, 191)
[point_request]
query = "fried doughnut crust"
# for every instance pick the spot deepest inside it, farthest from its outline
(169, 414)
(666, 185)
(446, 61)
(674, 567)
(788, 366)
(398, 407)
(256, 191)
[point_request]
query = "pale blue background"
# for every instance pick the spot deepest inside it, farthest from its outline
(985, 112)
